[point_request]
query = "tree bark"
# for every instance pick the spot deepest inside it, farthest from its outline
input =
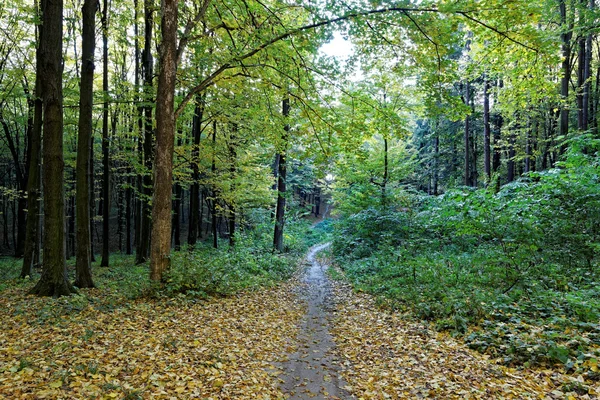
(53, 281)
(83, 264)
(165, 137)
(143, 245)
(193, 229)
(33, 180)
(566, 68)
(105, 145)
(487, 163)
(213, 169)
(467, 133)
(281, 181)
(232, 171)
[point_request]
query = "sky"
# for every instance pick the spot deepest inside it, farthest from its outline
(338, 47)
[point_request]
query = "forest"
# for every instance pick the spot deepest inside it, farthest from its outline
(187, 186)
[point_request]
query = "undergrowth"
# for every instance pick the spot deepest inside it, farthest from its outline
(514, 273)
(199, 272)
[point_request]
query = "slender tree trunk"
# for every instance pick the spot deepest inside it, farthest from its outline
(233, 173)
(53, 281)
(33, 179)
(567, 32)
(213, 169)
(487, 162)
(83, 263)
(587, 74)
(510, 164)
(165, 136)
(177, 208)
(105, 146)
(143, 246)
(281, 181)
(193, 228)
(436, 159)
(467, 135)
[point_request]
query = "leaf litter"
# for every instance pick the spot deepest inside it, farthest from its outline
(216, 349)
(234, 347)
(388, 356)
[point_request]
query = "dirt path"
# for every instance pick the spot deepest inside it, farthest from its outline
(312, 371)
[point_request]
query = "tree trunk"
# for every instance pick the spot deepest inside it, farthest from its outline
(165, 136)
(487, 163)
(567, 32)
(436, 160)
(33, 179)
(467, 143)
(281, 181)
(143, 246)
(213, 169)
(233, 171)
(195, 204)
(587, 73)
(53, 281)
(105, 145)
(83, 264)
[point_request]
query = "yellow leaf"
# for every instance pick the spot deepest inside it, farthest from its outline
(56, 384)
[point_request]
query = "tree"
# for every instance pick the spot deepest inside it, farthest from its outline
(105, 144)
(165, 141)
(281, 181)
(83, 277)
(53, 281)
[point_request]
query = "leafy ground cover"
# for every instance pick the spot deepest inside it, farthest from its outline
(388, 355)
(88, 347)
(211, 332)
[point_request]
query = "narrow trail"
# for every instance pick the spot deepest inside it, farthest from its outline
(312, 371)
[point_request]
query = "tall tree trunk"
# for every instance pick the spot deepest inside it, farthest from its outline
(213, 170)
(281, 181)
(83, 263)
(177, 211)
(165, 136)
(567, 32)
(467, 135)
(33, 179)
(436, 158)
(487, 162)
(233, 172)
(53, 281)
(195, 203)
(587, 73)
(143, 246)
(105, 144)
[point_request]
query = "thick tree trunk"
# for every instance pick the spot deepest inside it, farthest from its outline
(83, 264)
(165, 137)
(53, 281)
(281, 181)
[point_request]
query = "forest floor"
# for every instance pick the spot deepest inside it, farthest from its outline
(312, 337)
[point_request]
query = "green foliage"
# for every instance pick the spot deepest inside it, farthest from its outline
(514, 271)
(205, 271)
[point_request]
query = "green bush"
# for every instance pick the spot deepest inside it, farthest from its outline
(493, 266)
